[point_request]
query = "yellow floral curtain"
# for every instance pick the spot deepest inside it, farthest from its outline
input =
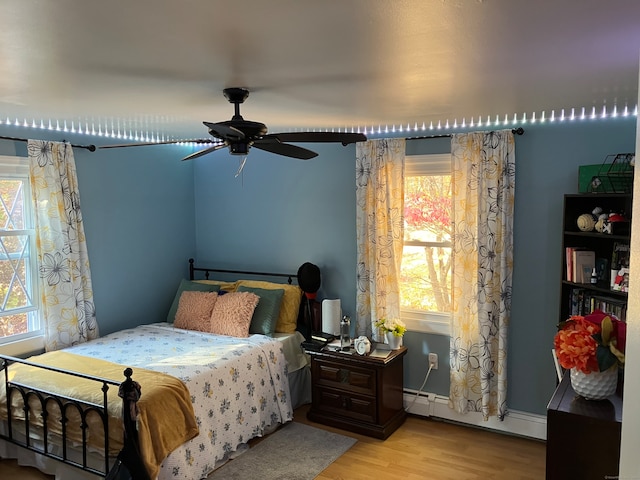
(379, 230)
(483, 166)
(65, 279)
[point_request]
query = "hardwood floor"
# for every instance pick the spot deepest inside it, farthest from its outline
(420, 449)
(423, 448)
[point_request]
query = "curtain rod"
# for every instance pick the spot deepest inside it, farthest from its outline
(516, 131)
(91, 148)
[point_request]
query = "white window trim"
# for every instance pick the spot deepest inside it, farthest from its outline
(18, 345)
(416, 321)
(434, 164)
(433, 323)
(24, 346)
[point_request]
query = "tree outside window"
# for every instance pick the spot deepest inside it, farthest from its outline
(426, 260)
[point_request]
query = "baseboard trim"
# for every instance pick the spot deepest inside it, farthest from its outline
(437, 406)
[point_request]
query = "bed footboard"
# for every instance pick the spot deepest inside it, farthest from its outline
(42, 420)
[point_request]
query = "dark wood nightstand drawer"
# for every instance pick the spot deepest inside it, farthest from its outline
(362, 394)
(357, 407)
(345, 377)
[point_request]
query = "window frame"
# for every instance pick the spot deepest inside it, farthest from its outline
(437, 323)
(33, 340)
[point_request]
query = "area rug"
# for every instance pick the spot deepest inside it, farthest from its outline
(294, 452)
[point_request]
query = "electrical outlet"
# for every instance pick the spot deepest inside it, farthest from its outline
(433, 361)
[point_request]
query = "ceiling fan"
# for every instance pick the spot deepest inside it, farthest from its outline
(239, 135)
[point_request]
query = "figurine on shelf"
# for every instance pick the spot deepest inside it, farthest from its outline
(603, 223)
(621, 282)
(617, 217)
(588, 221)
(618, 223)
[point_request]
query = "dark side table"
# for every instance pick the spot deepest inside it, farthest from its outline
(361, 394)
(583, 436)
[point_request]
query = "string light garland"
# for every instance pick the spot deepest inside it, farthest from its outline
(141, 130)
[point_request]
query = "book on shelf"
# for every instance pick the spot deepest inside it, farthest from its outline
(576, 301)
(620, 255)
(602, 269)
(569, 262)
(584, 261)
(583, 302)
(610, 305)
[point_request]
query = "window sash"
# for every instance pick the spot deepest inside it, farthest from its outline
(17, 168)
(418, 243)
(421, 320)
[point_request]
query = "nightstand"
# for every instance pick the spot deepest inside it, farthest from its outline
(361, 394)
(583, 436)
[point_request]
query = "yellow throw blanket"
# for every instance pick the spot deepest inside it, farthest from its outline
(166, 419)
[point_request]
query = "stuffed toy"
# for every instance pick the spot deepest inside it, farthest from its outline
(586, 222)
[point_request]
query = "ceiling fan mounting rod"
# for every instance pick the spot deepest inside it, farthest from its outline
(236, 96)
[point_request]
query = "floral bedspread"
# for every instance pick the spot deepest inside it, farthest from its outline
(238, 386)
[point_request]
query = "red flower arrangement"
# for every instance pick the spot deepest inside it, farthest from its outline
(592, 343)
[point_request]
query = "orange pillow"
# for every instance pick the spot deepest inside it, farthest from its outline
(232, 314)
(194, 310)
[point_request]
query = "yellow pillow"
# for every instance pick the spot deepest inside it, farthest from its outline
(226, 286)
(288, 316)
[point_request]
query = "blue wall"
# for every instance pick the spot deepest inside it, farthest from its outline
(285, 212)
(280, 214)
(146, 213)
(137, 205)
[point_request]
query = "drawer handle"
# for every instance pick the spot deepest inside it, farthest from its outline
(346, 402)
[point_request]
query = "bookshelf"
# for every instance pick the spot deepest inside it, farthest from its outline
(578, 295)
(571, 418)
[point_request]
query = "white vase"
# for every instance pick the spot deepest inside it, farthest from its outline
(595, 385)
(394, 342)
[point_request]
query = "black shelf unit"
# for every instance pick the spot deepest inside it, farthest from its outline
(601, 243)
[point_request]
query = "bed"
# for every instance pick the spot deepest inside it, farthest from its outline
(219, 389)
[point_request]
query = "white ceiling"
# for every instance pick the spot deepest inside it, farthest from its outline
(161, 65)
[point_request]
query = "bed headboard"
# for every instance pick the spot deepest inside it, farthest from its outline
(308, 307)
(193, 269)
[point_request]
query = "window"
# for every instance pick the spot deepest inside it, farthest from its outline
(19, 300)
(425, 282)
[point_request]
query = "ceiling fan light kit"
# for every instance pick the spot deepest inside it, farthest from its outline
(239, 135)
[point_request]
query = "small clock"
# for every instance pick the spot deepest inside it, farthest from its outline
(362, 345)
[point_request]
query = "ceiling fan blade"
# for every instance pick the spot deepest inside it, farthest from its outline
(226, 132)
(274, 146)
(204, 152)
(318, 137)
(168, 142)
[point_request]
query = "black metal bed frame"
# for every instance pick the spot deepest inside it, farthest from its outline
(65, 404)
(193, 269)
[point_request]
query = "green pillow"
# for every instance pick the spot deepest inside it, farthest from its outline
(265, 316)
(186, 285)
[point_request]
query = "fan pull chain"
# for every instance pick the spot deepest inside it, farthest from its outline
(241, 165)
